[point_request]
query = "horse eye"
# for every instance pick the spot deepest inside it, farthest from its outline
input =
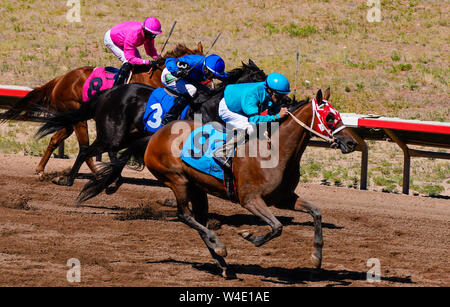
(330, 118)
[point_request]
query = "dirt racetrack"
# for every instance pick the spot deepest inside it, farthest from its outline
(133, 238)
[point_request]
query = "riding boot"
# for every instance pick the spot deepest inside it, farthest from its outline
(180, 103)
(123, 73)
(224, 153)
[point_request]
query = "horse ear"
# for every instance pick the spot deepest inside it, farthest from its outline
(327, 94)
(319, 97)
(200, 47)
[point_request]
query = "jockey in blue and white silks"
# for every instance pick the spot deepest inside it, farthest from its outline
(243, 104)
(185, 75)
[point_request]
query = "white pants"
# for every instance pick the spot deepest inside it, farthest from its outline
(180, 86)
(236, 120)
(115, 49)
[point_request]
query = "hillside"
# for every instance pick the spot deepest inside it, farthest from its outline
(396, 67)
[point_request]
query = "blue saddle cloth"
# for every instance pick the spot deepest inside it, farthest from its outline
(158, 104)
(200, 145)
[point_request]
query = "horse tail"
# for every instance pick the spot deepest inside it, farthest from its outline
(34, 101)
(59, 121)
(111, 171)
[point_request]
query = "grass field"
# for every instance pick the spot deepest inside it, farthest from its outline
(396, 67)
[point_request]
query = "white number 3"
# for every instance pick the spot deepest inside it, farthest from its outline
(156, 116)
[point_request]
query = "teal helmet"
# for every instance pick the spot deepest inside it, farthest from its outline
(278, 83)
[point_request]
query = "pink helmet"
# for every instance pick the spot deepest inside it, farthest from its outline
(152, 25)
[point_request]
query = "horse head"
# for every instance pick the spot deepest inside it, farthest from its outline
(328, 122)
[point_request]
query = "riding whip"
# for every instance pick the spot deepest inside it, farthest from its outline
(210, 48)
(170, 34)
(295, 76)
(164, 46)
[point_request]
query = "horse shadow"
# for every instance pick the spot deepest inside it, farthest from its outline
(237, 220)
(295, 276)
(128, 180)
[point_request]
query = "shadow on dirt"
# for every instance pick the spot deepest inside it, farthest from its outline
(237, 220)
(295, 276)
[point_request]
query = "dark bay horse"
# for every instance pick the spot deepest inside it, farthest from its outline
(64, 94)
(118, 113)
(257, 187)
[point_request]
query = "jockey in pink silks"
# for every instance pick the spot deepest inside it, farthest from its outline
(124, 38)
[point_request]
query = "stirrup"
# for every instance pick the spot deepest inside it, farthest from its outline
(167, 118)
(223, 161)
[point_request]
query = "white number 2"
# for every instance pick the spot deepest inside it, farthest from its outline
(156, 116)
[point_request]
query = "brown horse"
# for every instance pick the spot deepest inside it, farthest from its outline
(257, 187)
(64, 94)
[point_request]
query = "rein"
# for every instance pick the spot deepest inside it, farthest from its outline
(330, 139)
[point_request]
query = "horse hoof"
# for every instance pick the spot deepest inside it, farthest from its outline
(62, 180)
(111, 190)
(221, 251)
(40, 175)
(227, 274)
(245, 234)
(317, 262)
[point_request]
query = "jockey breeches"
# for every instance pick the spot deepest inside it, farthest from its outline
(118, 52)
(237, 121)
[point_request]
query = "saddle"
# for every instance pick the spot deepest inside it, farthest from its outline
(197, 152)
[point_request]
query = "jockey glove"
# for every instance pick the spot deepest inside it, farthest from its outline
(153, 63)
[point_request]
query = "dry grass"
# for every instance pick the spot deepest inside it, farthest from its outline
(398, 67)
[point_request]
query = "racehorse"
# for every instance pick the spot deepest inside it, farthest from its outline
(64, 94)
(257, 187)
(118, 114)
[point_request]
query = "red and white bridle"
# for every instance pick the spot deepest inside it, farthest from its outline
(325, 118)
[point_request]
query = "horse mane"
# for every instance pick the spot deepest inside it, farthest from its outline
(233, 77)
(179, 51)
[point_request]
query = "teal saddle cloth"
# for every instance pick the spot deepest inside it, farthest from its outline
(199, 147)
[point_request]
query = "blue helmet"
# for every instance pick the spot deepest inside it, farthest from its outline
(216, 65)
(278, 83)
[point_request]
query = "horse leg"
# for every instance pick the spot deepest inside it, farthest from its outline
(258, 207)
(304, 206)
(200, 207)
(81, 130)
(55, 140)
(113, 187)
(199, 200)
(85, 152)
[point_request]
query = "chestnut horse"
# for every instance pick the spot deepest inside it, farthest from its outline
(64, 94)
(257, 187)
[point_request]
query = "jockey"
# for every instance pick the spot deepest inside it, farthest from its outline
(124, 38)
(243, 104)
(185, 75)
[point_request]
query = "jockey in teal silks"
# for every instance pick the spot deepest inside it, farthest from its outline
(124, 39)
(185, 75)
(243, 104)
